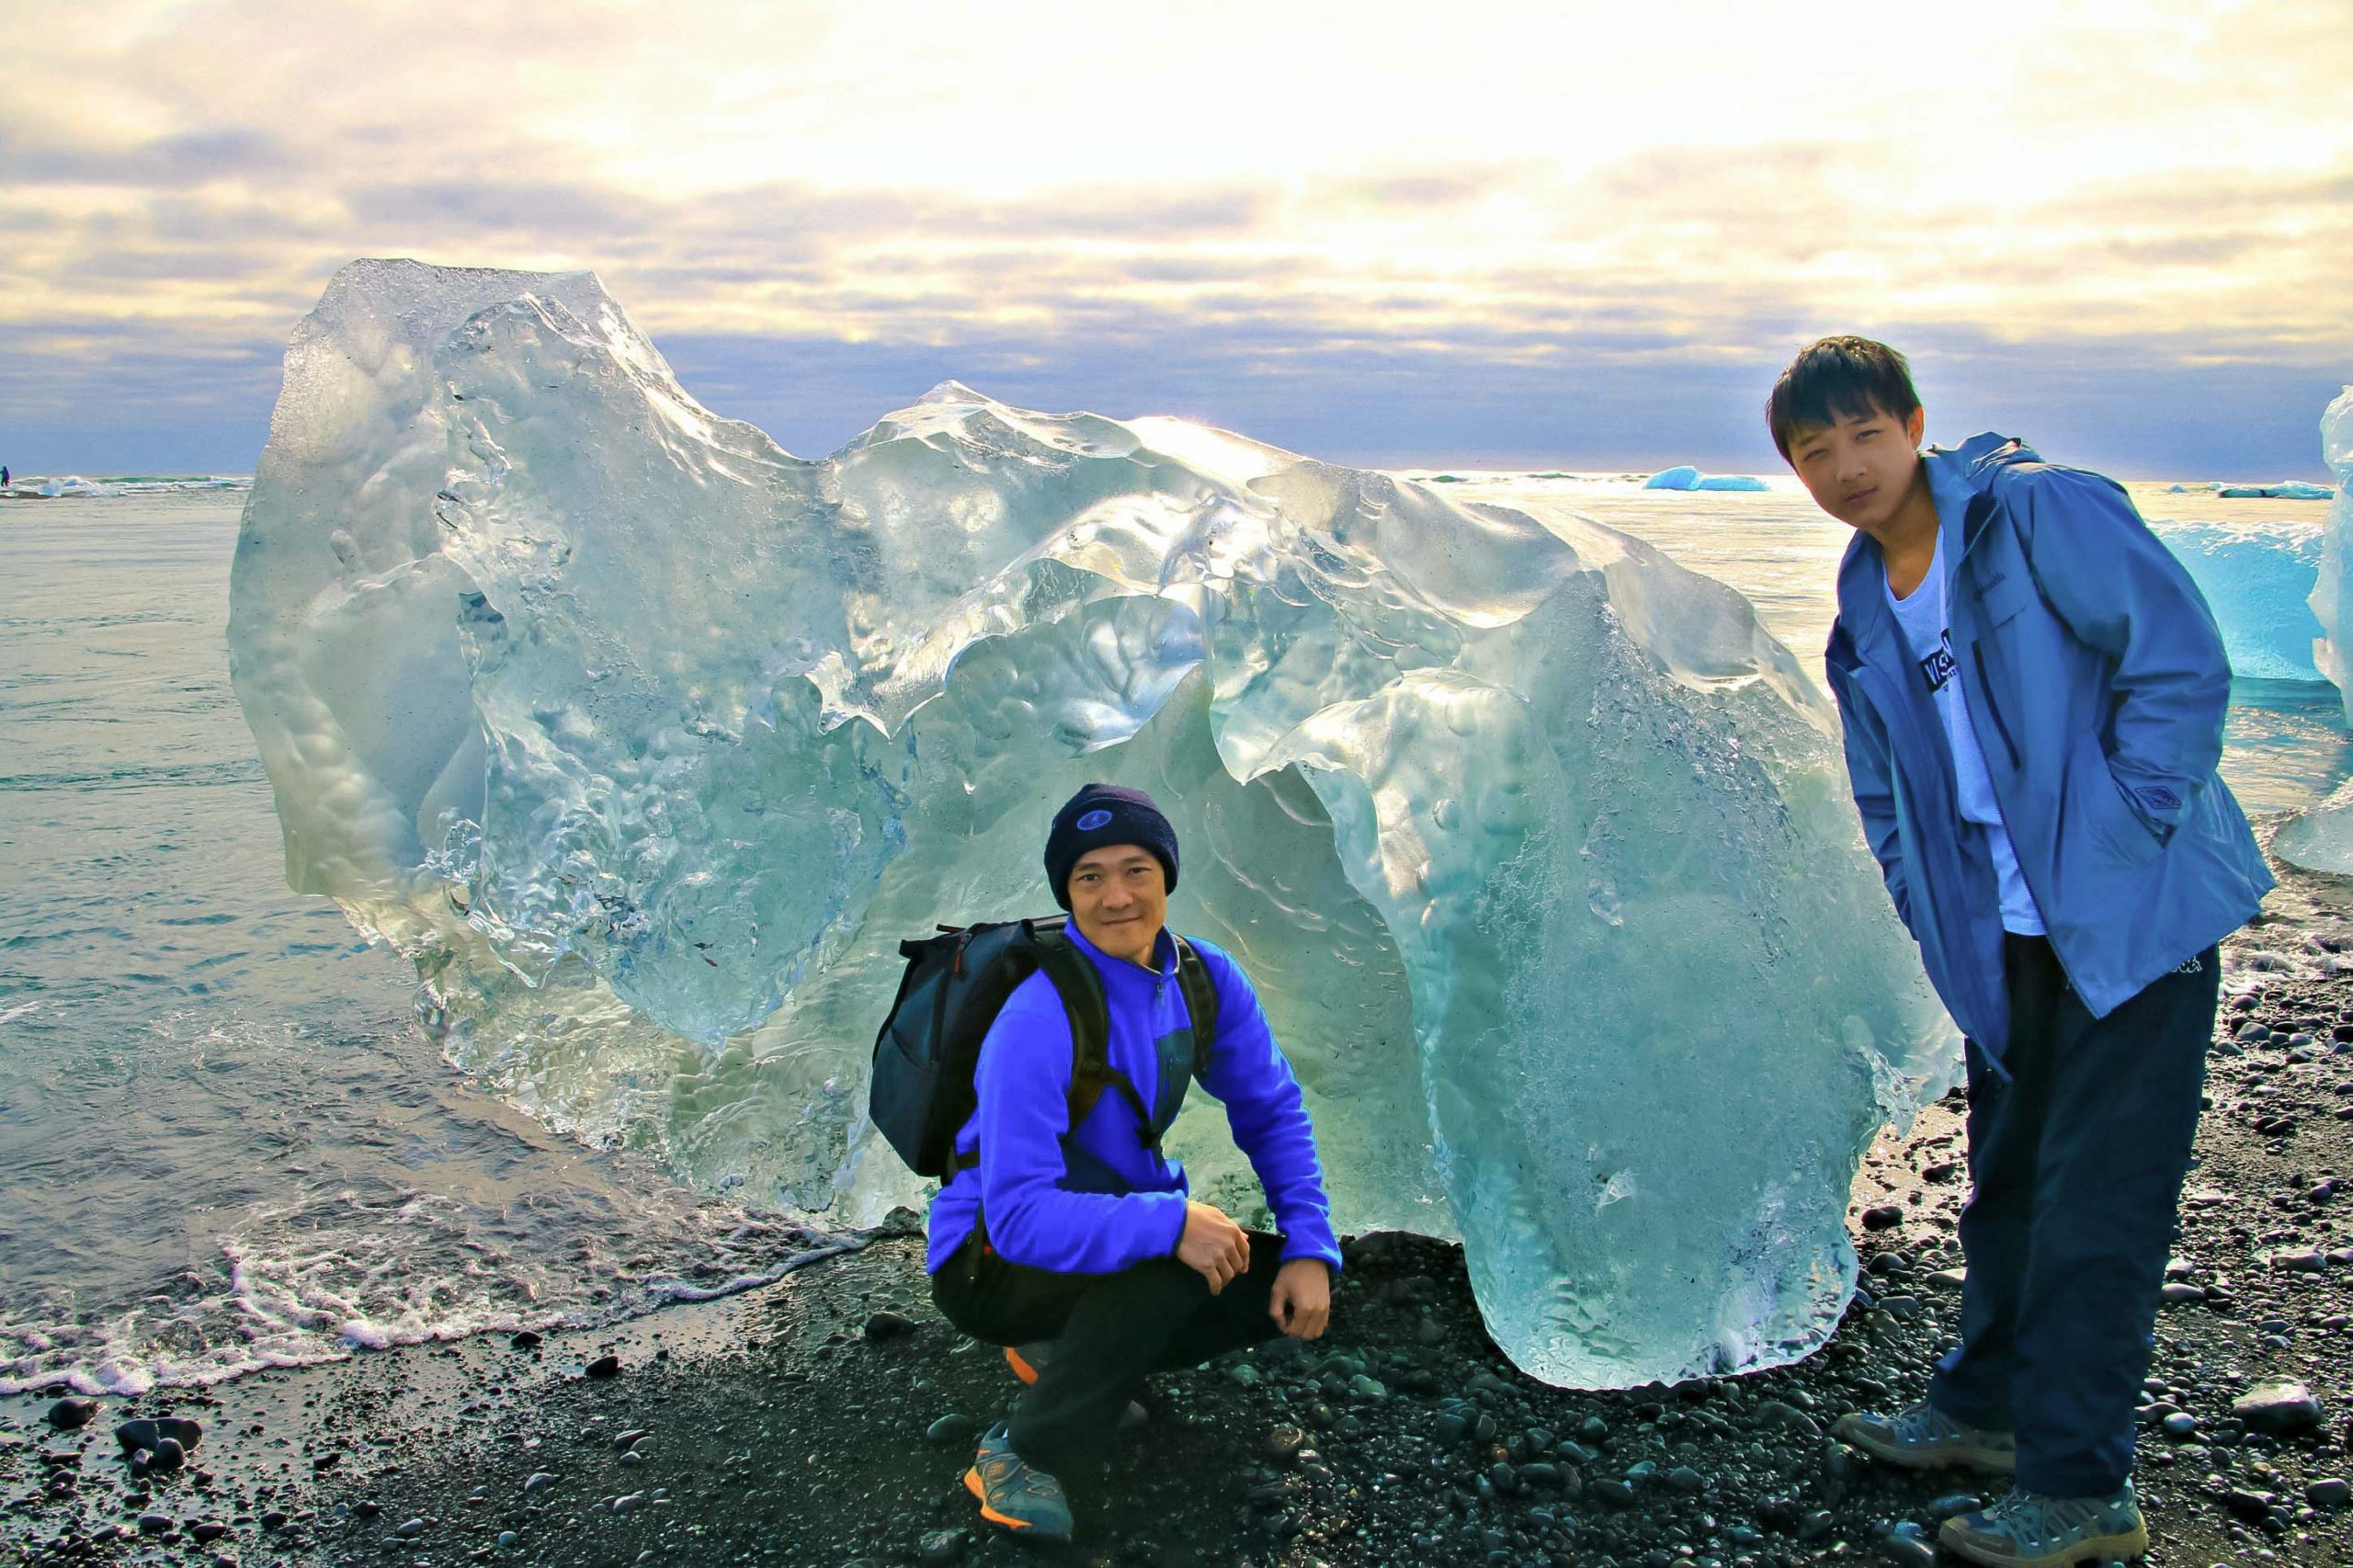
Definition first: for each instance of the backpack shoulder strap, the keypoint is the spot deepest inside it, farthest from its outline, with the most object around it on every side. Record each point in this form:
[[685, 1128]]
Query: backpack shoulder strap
[[1201, 1001], [1081, 989]]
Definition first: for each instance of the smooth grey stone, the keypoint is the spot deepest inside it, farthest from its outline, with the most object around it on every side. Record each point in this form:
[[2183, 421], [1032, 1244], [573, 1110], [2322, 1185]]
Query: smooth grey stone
[[70, 1414], [2180, 1424], [603, 1366], [887, 1325], [2329, 1492], [940, 1546], [2280, 1407], [409, 1529]]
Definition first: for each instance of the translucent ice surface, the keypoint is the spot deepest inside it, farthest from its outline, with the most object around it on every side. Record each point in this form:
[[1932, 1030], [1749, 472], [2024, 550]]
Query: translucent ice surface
[[2322, 838], [649, 741]]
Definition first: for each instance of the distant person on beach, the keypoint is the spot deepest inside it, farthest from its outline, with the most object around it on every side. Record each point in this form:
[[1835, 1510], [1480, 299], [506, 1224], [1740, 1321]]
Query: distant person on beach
[[2032, 691], [1076, 1247]]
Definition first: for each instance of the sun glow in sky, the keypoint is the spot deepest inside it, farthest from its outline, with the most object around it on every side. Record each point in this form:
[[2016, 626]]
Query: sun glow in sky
[[1554, 234]]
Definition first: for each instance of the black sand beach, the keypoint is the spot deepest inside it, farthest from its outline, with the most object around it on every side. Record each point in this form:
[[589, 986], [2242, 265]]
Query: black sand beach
[[826, 1420]]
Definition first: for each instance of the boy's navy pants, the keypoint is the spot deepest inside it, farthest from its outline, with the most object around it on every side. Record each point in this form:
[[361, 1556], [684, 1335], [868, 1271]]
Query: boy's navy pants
[[2076, 1161], [1111, 1331]]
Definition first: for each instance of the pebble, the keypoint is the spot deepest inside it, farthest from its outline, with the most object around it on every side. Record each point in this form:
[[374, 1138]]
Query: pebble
[[1903, 1545], [1284, 1443], [2329, 1492], [409, 1529], [1816, 1525], [507, 1539], [206, 1530], [952, 1429], [1952, 1504], [69, 1415], [887, 1325], [537, 1481], [154, 1524], [624, 1441], [940, 1546], [2180, 1424], [526, 1339], [1683, 1478], [2177, 1293], [2282, 1407], [631, 1457], [1616, 1494], [1243, 1374], [603, 1366], [166, 1455], [1882, 1217]]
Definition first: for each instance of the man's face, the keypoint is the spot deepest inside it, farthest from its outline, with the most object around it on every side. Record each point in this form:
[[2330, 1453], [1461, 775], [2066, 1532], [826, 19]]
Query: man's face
[[1862, 469], [1118, 896]]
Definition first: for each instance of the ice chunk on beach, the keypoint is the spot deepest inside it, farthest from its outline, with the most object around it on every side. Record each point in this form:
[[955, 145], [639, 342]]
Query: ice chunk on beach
[[2331, 598], [2257, 578], [649, 741], [2322, 838]]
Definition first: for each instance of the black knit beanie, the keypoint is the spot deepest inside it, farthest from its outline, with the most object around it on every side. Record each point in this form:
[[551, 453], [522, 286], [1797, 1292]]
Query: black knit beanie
[[1103, 814]]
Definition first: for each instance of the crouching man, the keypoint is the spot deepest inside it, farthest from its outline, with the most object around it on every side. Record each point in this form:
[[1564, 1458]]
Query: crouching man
[[1076, 1247], [2033, 694]]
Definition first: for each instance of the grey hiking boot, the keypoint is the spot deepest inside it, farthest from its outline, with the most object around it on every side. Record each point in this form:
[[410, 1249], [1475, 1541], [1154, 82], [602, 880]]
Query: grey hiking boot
[[2026, 1529], [1015, 1493], [1925, 1438]]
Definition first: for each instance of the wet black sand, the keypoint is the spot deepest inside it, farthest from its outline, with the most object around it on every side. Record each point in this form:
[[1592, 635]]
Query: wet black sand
[[792, 1426]]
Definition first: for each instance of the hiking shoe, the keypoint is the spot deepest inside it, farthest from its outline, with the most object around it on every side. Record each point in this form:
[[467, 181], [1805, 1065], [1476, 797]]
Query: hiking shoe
[[1018, 1496], [2026, 1529], [1028, 1360], [1925, 1438]]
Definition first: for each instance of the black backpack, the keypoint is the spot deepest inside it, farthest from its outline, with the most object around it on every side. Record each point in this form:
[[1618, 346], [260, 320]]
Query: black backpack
[[921, 1092]]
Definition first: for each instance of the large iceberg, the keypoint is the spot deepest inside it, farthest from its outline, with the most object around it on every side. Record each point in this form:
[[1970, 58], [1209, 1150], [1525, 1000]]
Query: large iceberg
[[649, 742]]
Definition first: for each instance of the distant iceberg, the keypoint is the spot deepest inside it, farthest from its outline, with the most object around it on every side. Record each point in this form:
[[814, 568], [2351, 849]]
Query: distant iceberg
[[2279, 489], [1688, 478]]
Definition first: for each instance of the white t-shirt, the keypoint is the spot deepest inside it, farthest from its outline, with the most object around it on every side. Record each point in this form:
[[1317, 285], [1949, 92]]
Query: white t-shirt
[[1928, 635]]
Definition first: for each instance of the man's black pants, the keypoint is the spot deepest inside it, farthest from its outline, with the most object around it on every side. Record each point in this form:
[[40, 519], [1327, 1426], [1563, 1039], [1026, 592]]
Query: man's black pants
[[2076, 1161], [1112, 1332]]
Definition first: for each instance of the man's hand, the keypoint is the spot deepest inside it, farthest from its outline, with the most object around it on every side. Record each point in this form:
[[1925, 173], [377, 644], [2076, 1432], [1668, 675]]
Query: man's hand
[[1212, 1245], [1302, 1301]]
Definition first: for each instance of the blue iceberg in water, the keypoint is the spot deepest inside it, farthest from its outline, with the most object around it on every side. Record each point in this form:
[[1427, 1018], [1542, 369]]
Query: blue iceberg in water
[[2258, 578], [1689, 478], [649, 741]]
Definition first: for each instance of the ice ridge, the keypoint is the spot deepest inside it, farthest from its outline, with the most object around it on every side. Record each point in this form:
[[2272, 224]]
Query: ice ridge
[[648, 741]]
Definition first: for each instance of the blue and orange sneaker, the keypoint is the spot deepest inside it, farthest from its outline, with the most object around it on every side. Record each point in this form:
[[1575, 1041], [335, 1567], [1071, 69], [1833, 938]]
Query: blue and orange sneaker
[[1028, 1360], [1015, 1493]]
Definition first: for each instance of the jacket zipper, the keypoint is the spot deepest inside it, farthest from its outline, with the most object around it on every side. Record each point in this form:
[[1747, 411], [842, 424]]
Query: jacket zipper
[[1994, 709]]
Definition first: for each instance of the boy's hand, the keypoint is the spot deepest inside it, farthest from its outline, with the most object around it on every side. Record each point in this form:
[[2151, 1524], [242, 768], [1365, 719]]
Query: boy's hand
[[1212, 1245], [1303, 1300]]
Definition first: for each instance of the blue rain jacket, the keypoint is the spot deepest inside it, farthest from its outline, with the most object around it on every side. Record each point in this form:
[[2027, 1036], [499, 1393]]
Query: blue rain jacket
[[1112, 1202], [2096, 681]]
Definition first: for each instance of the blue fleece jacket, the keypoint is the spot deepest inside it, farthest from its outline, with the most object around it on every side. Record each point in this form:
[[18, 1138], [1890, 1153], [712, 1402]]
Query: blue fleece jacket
[[2096, 684], [1037, 1214]]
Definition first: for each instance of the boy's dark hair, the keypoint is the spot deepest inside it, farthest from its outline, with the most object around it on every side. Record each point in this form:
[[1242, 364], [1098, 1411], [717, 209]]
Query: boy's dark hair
[[1839, 378]]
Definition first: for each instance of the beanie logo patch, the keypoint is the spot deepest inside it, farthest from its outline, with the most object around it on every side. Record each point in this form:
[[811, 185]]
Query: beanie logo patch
[[1093, 820]]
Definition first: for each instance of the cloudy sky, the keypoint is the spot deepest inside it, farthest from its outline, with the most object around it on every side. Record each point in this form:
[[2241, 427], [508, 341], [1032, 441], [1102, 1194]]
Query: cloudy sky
[[1554, 234]]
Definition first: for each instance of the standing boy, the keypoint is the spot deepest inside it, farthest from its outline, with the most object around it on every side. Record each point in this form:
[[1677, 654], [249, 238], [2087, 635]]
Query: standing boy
[[2033, 691]]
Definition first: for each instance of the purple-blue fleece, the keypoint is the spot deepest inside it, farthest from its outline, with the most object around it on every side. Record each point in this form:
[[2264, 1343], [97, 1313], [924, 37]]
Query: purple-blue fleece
[[1023, 1081]]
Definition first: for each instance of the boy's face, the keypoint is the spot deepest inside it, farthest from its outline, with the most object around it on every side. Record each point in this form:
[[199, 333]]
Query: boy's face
[[1862, 469]]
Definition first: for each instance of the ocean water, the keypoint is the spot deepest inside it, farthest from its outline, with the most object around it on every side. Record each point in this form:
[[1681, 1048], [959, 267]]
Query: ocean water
[[224, 1140]]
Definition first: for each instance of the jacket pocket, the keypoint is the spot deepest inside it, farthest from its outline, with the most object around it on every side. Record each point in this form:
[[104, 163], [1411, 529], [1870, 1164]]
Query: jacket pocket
[[2097, 806]]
